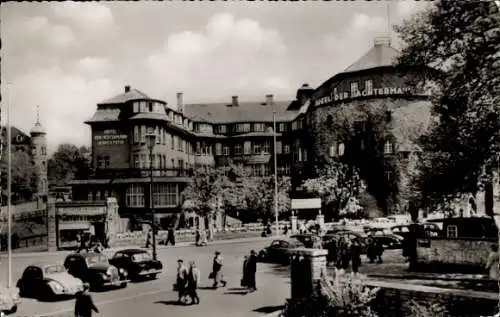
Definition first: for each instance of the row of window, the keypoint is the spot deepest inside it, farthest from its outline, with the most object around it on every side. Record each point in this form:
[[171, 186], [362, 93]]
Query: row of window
[[162, 137], [249, 127], [164, 195], [160, 161], [157, 107], [249, 148]]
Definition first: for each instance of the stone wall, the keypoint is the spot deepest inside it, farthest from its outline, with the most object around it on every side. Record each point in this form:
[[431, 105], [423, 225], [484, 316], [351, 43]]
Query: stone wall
[[456, 252]]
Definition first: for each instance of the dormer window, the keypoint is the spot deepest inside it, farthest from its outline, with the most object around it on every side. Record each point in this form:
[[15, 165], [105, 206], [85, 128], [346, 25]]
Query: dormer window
[[388, 147], [150, 106], [354, 88], [259, 127]]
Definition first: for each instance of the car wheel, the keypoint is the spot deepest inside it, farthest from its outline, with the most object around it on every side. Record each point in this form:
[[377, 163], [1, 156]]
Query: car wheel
[[123, 284], [153, 276], [45, 294], [13, 310]]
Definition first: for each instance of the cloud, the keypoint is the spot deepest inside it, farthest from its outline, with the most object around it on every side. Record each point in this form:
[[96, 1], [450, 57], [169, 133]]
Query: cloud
[[93, 66], [219, 60], [65, 101], [89, 15]]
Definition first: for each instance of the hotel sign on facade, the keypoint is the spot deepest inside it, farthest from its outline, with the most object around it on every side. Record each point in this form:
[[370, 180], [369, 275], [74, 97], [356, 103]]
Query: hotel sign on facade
[[347, 95], [110, 137]]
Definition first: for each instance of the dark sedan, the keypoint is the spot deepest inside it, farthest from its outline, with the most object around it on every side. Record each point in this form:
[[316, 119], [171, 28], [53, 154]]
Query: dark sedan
[[95, 269], [138, 263], [389, 241], [278, 251]]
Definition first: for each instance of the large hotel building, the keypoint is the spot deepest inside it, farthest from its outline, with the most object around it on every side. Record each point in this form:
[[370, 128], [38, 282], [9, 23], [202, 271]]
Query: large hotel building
[[192, 135]]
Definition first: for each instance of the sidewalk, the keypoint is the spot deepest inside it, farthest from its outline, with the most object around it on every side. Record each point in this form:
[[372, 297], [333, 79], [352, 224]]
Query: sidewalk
[[159, 247]]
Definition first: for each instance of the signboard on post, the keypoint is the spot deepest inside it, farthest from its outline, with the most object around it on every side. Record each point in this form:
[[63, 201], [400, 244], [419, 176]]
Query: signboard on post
[[309, 203]]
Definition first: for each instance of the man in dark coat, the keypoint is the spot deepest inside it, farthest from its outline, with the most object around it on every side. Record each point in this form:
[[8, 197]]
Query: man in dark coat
[[170, 236], [84, 305], [355, 255], [251, 271]]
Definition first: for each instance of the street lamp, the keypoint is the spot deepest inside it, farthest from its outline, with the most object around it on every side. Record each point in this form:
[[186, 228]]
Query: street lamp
[[151, 141], [275, 176]]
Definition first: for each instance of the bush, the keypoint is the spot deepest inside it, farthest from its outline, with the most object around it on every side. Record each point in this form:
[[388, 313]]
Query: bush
[[434, 309], [349, 298]]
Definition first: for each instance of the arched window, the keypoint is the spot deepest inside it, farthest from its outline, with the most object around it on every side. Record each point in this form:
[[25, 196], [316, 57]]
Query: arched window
[[329, 121]]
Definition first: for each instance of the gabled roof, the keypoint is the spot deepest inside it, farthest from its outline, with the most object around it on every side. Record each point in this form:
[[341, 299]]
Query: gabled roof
[[244, 112], [381, 55], [103, 115], [132, 94]]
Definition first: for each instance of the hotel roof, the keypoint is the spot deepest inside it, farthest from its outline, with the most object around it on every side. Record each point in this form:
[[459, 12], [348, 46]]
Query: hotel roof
[[131, 94], [380, 55], [244, 112]]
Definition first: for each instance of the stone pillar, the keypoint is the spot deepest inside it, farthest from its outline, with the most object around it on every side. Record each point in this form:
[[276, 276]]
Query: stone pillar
[[308, 266], [52, 226], [112, 220], [294, 224], [218, 220]]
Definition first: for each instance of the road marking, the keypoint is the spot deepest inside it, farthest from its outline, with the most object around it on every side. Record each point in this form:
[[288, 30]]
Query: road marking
[[105, 302]]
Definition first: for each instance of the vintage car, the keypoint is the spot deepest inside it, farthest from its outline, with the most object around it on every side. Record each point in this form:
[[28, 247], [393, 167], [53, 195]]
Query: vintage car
[[278, 251], [348, 235], [48, 282], [138, 263], [9, 300], [389, 241], [94, 268]]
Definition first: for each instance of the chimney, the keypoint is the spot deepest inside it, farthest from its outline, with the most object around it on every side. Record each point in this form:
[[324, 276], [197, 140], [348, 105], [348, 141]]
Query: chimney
[[127, 88], [235, 101], [269, 100], [180, 102]]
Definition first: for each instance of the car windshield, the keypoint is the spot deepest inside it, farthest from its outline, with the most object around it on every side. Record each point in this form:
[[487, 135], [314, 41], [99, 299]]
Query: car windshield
[[95, 258], [143, 256], [51, 269]]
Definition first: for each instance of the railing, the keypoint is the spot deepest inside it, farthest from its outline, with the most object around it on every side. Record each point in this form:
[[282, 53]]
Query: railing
[[141, 172]]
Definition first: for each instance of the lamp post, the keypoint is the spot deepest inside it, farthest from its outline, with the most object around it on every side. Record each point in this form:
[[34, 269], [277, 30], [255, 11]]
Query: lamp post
[[275, 176], [151, 141], [9, 188]]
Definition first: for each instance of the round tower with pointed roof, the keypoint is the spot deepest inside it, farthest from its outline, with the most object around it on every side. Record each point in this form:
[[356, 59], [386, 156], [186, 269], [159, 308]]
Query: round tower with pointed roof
[[39, 155]]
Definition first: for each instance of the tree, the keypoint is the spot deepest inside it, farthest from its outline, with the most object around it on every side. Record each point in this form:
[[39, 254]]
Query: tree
[[204, 192], [24, 177], [337, 184], [461, 40], [260, 194], [67, 163]]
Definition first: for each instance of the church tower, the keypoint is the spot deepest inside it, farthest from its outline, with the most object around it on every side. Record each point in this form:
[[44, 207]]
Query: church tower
[[39, 155]]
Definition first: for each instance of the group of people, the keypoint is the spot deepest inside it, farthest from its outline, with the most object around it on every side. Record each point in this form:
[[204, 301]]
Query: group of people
[[344, 252], [187, 282], [90, 243]]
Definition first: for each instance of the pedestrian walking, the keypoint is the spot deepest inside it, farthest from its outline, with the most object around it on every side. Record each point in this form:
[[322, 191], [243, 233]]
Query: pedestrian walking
[[355, 255], [217, 274], [170, 236], [332, 252], [149, 238], [244, 276], [379, 250], [197, 237], [492, 263], [181, 281], [371, 250], [193, 280], [84, 305], [345, 257], [252, 271]]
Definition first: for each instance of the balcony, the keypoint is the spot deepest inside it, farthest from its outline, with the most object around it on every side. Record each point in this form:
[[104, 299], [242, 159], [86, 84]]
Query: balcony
[[140, 173]]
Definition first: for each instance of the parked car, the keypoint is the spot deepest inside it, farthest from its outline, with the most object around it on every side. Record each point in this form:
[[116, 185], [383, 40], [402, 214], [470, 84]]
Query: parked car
[[347, 234], [9, 300], [278, 251], [48, 282], [390, 241], [138, 263], [95, 269]]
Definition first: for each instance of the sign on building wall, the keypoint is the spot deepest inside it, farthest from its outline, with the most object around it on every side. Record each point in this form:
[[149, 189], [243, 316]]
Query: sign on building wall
[[347, 95], [308, 203], [110, 137]]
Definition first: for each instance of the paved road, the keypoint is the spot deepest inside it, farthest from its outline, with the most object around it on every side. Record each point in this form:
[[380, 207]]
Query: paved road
[[156, 298]]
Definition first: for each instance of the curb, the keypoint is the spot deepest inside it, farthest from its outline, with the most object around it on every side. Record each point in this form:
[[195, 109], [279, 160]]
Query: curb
[[426, 277], [159, 247]]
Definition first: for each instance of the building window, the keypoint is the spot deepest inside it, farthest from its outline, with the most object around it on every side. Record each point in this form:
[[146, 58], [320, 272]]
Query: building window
[[226, 150], [179, 143], [143, 134], [267, 170], [136, 134], [248, 147], [451, 231], [256, 170], [243, 127], [287, 149], [137, 162], [267, 147], [222, 128], [257, 148], [180, 164], [238, 149], [135, 195], [90, 196], [165, 195], [259, 127], [218, 149], [136, 107], [157, 134], [283, 127], [279, 147], [150, 106], [103, 161], [44, 150], [172, 162], [354, 88], [369, 86], [388, 147], [286, 169]]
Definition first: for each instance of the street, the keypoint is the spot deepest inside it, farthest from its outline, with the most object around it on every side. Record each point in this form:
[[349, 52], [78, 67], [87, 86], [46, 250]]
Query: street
[[157, 298]]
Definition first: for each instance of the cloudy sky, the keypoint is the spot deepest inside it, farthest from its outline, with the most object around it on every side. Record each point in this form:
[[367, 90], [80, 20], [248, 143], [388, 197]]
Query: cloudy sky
[[66, 57]]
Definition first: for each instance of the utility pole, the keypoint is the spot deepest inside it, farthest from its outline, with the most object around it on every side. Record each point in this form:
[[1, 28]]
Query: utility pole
[[275, 176]]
